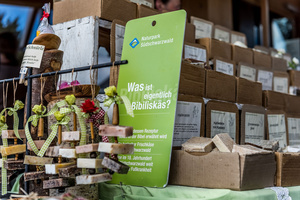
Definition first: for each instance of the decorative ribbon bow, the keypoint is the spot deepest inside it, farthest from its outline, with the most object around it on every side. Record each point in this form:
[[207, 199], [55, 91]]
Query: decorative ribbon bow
[[3, 126], [45, 15], [96, 117]]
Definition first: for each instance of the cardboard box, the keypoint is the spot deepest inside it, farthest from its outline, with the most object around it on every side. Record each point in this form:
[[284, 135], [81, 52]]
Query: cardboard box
[[273, 52], [116, 40], [224, 66], [204, 28], [294, 78], [192, 80], [273, 100], [238, 36], [265, 76], [148, 3], [190, 31], [222, 170], [246, 71], [262, 59], [293, 121], [67, 10], [222, 117], [189, 119], [281, 82], [241, 54], [216, 48], [252, 124], [222, 33], [220, 86], [276, 127], [279, 64], [145, 11], [262, 49], [248, 92], [288, 165], [195, 51], [292, 104]]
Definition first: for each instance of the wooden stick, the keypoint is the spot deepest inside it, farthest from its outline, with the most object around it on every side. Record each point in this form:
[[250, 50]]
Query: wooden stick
[[115, 120], [41, 128], [16, 142], [74, 122], [92, 131], [59, 139]]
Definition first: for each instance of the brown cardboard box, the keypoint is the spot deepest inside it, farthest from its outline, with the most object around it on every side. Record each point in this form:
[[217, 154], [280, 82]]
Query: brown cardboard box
[[248, 92], [252, 124], [145, 11], [281, 82], [216, 48], [246, 71], [292, 104], [279, 64], [192, 80], [195, 51], [294, 78], [293, 121], [265, 76], [273, 100], [276, 127], [288, 165], [224, 66], [262, 49], [222, 117], [220, 86], [238, 36], [241, 54], [204, 28], [190, 31], [222, 170], [67, 10], [222, 33], [148, 3], [262, 59], [273, 51]]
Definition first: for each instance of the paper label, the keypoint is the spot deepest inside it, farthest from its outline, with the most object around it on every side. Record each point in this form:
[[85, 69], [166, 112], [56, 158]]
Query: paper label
[[277, 129], [143, 2], [105, 24], [223, 122], [235, 38], [222, 35], [254, 127], [248, 73], [281, 84], [187, 122], [33, 56], [294, 130], [119, 38], [224, 67], [194, 53], [23, 70], [266, 78], [203, 30]]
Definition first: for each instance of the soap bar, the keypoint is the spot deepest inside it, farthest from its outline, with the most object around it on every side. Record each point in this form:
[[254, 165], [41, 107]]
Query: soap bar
[[53, 151], [12, 164], [115, 165], [116, 148], [91, 179], [30, 176], [57, 183], [53, 168], [10, 134], [71, 136], [87, 148], [248, 150], [67, 153], [1, 162], [38, 144], [116, 131], [11, 150], [36, 160], [70, 171], [223, 142], [198, 144], [89, 163]]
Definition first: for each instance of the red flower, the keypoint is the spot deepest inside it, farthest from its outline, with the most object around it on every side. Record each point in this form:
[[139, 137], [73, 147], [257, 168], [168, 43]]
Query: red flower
[[88, 106]]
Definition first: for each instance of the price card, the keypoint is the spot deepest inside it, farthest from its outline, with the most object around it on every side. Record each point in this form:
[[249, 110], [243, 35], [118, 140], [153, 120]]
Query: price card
[[33, 56]]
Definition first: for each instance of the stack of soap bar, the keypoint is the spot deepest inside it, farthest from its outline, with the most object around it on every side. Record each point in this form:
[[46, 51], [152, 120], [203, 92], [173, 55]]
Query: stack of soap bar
[[70, 171], [30, 176], [91, 179], [53, 151], [53, 168], [198, 144], [10, 134], [115, 148], [87, 148], [13, 164], [115, 165], [57, 183], [247, 150], [223, 142], [116, 131], [36, 160], [38, 144], [71, 136], [89, 163], [11, 150], [67, 153]]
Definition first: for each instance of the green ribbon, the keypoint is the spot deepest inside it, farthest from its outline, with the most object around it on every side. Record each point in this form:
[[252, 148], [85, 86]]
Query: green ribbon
[[4, 158], [121, 99]]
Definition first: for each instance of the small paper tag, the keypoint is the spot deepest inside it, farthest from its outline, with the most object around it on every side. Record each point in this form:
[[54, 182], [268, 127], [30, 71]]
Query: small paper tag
[[266, 78], [194, 53], [223, 122], [248, 73], [222, 35], [236, 37], [23, 70], [203, 30], [254, 127], [224, 67], [33, 56], [281, 84], [294, 130], [277, 129]]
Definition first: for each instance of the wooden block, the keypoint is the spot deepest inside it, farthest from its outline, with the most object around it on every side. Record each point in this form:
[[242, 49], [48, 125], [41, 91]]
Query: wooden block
[[115, 165], [223, 142], [38, 144], [247, 150], [70, 171], [68, 153], [13, 164], [71, 136], [269, 145], [15, 149], [116, 148], [198, 144], [58, 183], [30, 176], [53, 168], [91, 179], [116, 131], [10, 134], [89, 163], [53, 151], [36, 160], [87, 148]]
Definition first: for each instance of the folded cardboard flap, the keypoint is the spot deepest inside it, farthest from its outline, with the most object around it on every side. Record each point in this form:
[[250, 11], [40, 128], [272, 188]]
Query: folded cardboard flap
[[216, 48], [145, 11], [262, 59], [294, 78], [292, 104], [241, 54], [279, 64], [288, 167], [190, 31], [274, 100], [248, 92]]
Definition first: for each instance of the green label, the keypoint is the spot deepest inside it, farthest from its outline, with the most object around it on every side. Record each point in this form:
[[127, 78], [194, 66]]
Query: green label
[[153, 47]]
